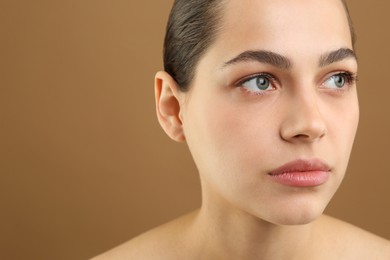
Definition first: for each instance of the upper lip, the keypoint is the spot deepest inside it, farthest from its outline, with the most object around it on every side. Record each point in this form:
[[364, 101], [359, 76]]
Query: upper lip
[[301, 165]]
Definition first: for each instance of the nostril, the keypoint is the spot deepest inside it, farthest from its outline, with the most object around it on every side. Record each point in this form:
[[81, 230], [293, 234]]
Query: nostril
[[308, 136], [301, 136]]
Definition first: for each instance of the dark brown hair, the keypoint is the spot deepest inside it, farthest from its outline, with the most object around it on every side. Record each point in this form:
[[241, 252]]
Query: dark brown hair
[[192, 28]]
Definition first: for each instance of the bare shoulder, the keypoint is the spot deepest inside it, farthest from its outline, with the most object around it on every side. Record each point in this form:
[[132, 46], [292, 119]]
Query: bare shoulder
[[355, 243], [163, 242]]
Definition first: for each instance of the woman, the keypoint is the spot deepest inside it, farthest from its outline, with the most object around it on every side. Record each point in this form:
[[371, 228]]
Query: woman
[[264, 93]]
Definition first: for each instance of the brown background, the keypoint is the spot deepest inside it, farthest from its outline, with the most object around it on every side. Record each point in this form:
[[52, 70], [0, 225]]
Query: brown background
[[84, 164]]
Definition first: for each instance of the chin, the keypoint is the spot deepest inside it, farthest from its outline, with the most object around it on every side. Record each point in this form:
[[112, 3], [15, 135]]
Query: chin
[[295, 213], [296, 220]]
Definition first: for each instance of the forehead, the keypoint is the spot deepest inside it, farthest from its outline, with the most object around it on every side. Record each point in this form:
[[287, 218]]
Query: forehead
[[289, 27]]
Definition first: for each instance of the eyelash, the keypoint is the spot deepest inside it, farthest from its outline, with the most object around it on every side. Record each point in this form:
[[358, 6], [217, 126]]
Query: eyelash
[[349, 77], [248, 78], [268, 76]]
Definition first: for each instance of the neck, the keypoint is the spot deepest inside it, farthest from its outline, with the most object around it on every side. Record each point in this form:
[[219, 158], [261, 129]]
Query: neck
[[224, 233]]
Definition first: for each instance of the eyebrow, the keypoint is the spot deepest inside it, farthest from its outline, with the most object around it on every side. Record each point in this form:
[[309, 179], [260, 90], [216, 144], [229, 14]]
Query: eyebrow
[[335, 56], [267, 57], [282, 62]]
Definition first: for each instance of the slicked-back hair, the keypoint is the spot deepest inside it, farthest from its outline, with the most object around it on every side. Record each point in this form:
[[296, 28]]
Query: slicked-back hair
[[191, 29]]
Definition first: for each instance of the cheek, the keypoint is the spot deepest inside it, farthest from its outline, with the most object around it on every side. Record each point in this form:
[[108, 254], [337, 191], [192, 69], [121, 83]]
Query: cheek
[[228, 144], [228, 139], [342, 126], [345, 119]]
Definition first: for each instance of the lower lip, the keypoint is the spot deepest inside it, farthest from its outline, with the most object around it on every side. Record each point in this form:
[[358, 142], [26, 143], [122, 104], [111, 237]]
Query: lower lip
[[302, 179]]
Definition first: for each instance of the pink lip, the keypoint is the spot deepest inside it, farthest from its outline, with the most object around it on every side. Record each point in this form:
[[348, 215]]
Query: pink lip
[[301, 173]]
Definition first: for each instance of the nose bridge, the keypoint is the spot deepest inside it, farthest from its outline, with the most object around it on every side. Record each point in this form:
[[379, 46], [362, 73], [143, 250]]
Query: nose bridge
[[304, 120]]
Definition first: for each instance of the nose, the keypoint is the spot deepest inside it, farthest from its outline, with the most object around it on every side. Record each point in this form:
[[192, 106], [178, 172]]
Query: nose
[[303, 121]]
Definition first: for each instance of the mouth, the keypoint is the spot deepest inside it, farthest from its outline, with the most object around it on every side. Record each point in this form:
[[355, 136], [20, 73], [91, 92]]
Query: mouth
[[302, 173]]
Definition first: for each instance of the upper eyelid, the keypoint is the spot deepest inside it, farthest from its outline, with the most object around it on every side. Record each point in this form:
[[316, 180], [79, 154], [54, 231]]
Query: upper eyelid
[[241, 81], [351, 78], [348, 74]]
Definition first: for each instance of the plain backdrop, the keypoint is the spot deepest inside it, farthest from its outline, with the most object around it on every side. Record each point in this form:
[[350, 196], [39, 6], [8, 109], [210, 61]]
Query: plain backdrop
[[84, 165]]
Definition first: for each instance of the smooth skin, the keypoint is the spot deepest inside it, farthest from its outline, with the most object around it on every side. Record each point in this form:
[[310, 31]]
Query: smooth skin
[[245, 115]]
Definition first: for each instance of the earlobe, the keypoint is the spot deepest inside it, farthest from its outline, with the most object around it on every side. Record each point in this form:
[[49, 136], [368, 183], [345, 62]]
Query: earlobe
[[168, 106]]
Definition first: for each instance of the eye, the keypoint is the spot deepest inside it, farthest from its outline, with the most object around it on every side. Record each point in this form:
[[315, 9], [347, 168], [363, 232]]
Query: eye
[[258, 84], [339, 80]]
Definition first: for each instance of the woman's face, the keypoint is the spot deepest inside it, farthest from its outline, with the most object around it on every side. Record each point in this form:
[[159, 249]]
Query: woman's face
[[271, 115]]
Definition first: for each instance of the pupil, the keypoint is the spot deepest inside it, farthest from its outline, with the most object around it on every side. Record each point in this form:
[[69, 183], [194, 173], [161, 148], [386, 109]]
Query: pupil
[[262, 83], [340, 81]]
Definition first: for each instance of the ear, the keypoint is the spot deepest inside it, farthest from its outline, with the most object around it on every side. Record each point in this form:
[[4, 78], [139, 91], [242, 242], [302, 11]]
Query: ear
[[168, 105]]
